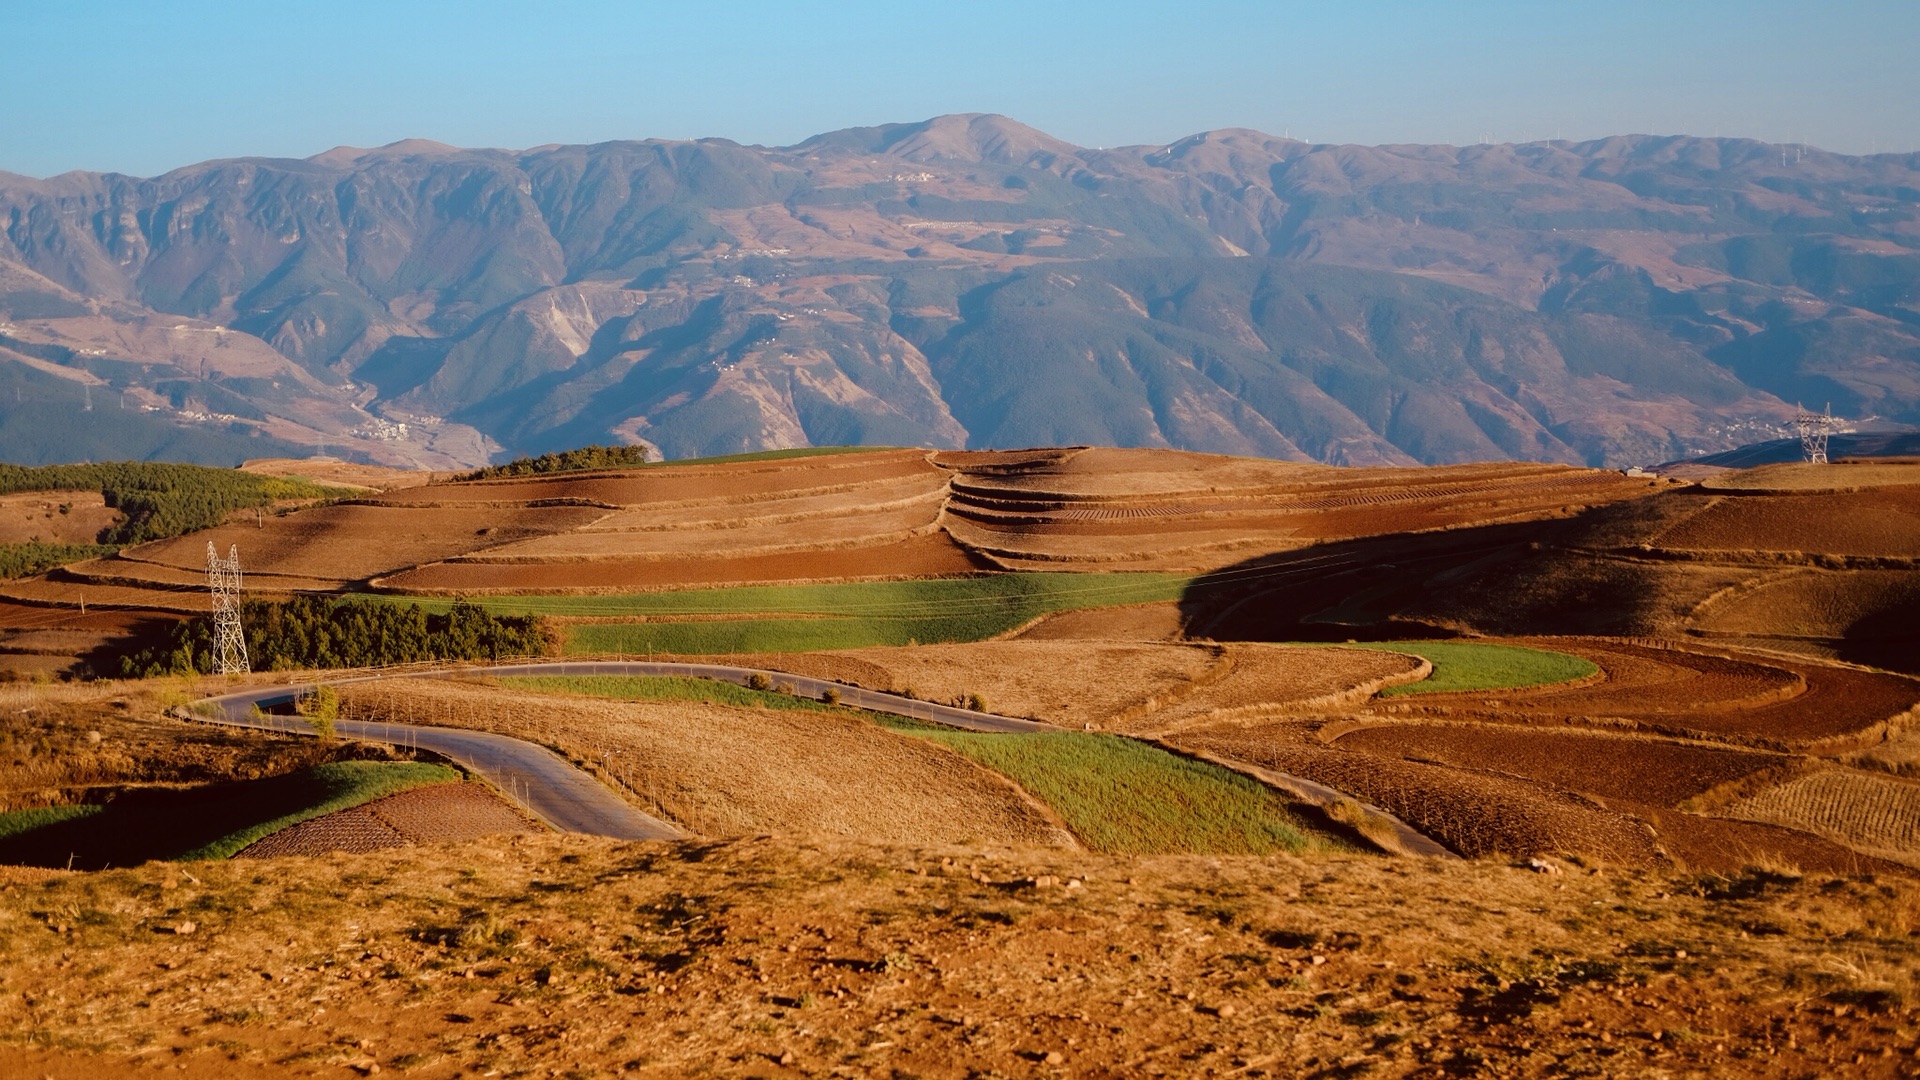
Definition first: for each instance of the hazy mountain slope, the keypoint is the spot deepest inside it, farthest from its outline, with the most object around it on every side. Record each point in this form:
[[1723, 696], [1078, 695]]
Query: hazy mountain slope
[[969, 280]]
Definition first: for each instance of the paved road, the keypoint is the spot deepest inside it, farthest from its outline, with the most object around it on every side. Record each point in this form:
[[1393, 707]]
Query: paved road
[[570, 800], [555, 791], [538, 779]]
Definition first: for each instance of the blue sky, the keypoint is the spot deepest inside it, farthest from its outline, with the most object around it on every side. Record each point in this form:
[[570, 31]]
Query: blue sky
[[141, 87]]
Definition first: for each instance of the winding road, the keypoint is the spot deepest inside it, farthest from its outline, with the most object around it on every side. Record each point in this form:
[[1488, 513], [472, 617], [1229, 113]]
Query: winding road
[[570, 800], [547, 785]]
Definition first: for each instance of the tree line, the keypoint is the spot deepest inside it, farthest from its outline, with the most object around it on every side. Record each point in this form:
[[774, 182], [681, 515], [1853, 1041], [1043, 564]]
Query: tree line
[[586, 457], [160, 499], [324, 632]]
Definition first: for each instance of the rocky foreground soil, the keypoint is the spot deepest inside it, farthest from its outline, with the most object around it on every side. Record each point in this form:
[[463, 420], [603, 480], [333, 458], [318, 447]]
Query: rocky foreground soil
[[780, 956]]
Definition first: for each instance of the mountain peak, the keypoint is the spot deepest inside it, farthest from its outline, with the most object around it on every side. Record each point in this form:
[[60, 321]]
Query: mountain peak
[[951, 137], [341, 157]]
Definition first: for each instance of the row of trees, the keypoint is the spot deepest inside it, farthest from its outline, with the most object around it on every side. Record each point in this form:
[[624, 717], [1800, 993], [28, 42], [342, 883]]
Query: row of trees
[[324, 632], [586, 457], [34, 556], [160, 499]]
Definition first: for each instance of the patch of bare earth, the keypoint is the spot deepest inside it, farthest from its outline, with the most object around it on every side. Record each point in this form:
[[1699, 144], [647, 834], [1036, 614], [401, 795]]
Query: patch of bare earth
[[54, 517], [575, 956], [435, 814], [720, 770]]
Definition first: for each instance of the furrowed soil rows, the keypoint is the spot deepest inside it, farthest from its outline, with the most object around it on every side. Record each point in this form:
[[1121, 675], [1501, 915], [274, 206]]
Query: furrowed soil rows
[[1475, 814], [1658, 772], [437, 814], [725, 770], [357, 541], [1777, 703], [1883, 523], [1869, 811], [671, 484], [1133, 622], [1813, 603], [933, 555], [849, 529]]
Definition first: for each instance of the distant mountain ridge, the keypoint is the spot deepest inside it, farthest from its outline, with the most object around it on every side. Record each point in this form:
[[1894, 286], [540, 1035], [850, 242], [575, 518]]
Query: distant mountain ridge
[[964, 281]]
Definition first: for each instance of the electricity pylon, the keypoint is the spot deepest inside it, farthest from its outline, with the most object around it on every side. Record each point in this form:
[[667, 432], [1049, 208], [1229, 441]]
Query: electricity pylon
[[1813, 429], [229, 640]]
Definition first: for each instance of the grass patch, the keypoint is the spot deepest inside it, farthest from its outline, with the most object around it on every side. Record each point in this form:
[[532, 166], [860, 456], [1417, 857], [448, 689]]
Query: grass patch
[[660, 688], [209, 822], [15, 822], [1126, 797], [1465, 665], [844, 616]]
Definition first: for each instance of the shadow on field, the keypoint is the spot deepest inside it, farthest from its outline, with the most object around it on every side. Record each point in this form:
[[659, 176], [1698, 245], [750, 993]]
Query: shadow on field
[[143, 824]]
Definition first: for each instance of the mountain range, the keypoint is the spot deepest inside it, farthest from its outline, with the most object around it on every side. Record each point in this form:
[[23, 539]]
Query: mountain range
[[965, 281]]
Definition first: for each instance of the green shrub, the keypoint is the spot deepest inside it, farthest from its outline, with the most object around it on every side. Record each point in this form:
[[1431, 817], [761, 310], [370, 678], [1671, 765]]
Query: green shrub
[[321, 707], [586, 457]]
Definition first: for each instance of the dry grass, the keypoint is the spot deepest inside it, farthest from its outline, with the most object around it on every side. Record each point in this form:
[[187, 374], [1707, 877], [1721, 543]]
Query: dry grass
[[1259, 680], [58, 742], [571, 956], [720, 770], [1072, 684], [1868, 811]]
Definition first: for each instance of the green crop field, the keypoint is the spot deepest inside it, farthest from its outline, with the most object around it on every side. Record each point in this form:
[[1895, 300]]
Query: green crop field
[[1468, 665], [211, 822], [842, 616], [1123, 796]]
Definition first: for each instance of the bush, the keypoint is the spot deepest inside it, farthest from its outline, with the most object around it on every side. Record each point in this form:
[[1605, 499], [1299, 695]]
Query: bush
[[321, 707], [759, 681], [976, 703], [587, 457], [831, 695]]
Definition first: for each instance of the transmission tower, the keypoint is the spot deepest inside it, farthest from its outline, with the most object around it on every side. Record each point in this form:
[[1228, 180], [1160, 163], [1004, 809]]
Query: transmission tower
[[229, 641], [1813, 429]]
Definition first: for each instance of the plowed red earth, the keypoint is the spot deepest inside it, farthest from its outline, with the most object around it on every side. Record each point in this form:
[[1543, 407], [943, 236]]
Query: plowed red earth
[[438, 813], [1884, 523], [1682, 691], [921, 556], [741, 480], [1479, 813], [354, 542], [1655, 771], [1475, 814]]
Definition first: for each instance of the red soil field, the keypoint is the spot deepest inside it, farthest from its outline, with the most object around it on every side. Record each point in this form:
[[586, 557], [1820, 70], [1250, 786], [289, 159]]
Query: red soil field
[[934, 555], [667, 484], [1475, 814], [357, 541], [1883, 523], [435, 814], [1659, 772], [1749, 701], [1813, 603]]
